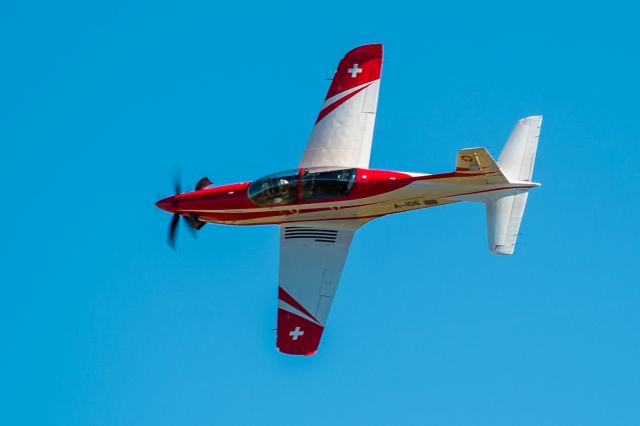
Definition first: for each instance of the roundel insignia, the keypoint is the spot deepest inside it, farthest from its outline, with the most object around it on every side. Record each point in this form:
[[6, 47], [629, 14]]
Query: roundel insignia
[[466, 158]]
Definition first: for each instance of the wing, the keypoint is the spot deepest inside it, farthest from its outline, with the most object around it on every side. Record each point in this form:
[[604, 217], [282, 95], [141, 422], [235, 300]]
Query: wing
[[311, 261], [343, 131]]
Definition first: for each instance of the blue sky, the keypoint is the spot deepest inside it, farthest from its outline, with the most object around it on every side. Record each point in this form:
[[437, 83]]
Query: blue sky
[[102, 324]]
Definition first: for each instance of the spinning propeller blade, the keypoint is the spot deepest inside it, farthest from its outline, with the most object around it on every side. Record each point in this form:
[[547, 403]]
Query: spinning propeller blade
[[175, 220], [170, 203], [173, 227]]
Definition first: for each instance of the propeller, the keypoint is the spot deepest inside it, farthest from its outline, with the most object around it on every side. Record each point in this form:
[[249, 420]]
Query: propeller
[[173, 226], [191, 220]]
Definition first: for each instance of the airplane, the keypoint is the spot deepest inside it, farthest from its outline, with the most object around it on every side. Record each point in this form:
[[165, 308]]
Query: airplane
[[322, 203]]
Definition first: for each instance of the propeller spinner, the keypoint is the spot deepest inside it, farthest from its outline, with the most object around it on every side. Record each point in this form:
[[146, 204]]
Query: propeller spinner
[[170, 204]]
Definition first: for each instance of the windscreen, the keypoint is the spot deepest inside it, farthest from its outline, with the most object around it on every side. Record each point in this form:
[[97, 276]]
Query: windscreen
[[275, 189], [326, 184]]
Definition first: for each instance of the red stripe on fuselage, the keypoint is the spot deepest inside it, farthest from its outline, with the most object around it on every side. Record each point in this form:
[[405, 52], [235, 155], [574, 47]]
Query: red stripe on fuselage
[[488, 190]]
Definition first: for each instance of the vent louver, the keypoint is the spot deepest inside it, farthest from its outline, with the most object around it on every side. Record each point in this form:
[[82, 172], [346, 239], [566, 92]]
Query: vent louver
[[317, 234]]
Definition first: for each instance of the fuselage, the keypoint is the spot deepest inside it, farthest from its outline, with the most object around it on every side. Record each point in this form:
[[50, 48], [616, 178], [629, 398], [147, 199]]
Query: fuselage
[[328, 194]]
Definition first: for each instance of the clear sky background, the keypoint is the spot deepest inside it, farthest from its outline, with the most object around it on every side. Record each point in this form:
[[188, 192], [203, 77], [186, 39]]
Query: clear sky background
[[102, 324]]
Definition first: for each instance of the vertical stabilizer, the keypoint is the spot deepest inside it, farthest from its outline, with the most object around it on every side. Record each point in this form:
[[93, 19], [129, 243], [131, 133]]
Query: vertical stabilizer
[[519, 153]]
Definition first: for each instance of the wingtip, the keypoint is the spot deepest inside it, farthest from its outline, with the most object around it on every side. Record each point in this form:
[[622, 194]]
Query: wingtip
[[502, 250], [374, 49], [532, 120], [297, 353]]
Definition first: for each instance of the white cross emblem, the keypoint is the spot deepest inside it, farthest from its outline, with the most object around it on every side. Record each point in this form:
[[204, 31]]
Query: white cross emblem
[[354, 70], [296, 333]]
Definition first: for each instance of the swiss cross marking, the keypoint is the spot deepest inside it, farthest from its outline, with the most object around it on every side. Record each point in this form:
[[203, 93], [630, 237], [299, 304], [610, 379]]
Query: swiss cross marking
[[354, 70], [296, 333]]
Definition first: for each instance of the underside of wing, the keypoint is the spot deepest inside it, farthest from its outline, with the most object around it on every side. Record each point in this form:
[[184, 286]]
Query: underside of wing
[[343, 131], [311, 261]]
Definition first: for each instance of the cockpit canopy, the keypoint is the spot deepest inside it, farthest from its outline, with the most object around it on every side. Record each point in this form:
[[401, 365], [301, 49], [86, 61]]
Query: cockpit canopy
[[302, 185]]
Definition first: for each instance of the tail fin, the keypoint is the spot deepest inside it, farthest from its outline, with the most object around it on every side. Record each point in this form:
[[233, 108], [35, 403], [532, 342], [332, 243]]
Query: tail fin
[[505, 211], [473, 160]]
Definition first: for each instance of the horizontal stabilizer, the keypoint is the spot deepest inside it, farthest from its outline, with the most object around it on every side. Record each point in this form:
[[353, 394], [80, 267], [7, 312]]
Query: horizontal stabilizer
[[504, 215], [507, 180], [505, 211], [519, 153]]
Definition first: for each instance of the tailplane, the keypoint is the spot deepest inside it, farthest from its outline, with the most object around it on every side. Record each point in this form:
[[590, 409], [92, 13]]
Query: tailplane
[[510, 179], [504, 215], [519, 153], [506, 209]]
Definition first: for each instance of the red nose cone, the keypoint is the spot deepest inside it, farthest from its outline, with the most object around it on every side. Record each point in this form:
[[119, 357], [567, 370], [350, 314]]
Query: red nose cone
[[168, 204]]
